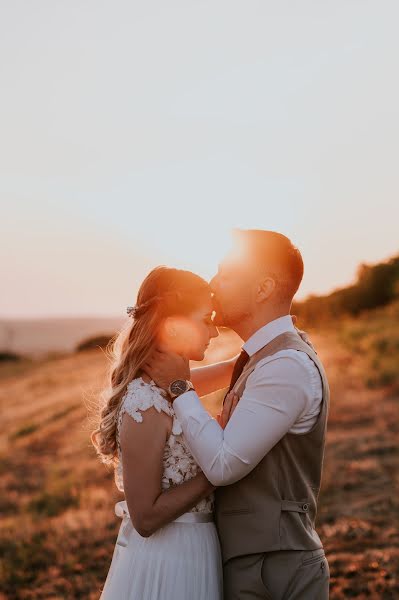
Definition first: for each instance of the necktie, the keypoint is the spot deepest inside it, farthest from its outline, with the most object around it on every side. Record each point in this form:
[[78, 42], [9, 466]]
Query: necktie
[[238, 368]]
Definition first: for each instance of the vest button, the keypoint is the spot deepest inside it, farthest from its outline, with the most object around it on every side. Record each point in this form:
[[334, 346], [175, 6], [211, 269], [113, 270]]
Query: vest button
[[305, 506]]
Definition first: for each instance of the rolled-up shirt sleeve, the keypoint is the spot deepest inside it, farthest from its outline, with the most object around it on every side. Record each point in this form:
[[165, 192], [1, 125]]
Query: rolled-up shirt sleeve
[[275, 396]]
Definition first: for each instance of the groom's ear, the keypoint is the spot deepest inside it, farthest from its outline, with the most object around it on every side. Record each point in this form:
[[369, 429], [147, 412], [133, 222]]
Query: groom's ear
[[266, 288]]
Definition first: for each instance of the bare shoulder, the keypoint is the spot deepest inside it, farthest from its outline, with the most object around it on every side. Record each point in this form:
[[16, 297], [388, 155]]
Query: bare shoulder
[[153, 424]]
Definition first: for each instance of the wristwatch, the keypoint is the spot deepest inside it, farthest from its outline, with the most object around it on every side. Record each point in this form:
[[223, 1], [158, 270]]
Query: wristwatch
[[178, 387]]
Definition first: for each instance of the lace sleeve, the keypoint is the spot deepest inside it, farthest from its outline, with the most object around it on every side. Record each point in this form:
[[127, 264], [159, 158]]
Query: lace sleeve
[[141, 396]]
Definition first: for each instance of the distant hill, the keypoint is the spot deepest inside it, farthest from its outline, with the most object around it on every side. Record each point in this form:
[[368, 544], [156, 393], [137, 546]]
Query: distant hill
[[376, 286], [39, 337], [36, 337]]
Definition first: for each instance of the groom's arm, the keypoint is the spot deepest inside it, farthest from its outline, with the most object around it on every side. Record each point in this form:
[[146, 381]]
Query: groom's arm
[[205, 379], [276, 394], [213, 377]]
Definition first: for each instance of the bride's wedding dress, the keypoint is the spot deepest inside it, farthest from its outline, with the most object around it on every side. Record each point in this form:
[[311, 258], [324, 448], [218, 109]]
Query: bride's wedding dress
[[181, 561]]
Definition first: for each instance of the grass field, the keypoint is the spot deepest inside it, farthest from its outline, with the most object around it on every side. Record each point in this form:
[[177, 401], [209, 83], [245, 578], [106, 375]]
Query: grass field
[[374, 338], [56, 500]]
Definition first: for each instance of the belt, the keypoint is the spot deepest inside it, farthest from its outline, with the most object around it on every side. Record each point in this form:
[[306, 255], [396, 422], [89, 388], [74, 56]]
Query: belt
[[122, 511]]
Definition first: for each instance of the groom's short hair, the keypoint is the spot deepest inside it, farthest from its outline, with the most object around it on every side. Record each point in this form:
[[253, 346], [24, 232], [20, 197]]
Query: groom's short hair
[[275, 253]]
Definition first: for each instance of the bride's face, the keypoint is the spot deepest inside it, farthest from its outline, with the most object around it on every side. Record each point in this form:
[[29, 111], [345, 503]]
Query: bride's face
[[190, 335]]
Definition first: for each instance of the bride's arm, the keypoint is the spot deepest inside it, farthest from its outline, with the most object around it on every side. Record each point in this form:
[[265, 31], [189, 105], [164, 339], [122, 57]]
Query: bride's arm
[[212, 377], [143, 446]]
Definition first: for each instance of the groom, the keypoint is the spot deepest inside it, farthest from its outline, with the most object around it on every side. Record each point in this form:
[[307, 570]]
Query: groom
[[267, 462]]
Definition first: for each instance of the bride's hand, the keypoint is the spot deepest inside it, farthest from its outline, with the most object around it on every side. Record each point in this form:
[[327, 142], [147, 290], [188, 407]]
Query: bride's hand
[[229, 405]]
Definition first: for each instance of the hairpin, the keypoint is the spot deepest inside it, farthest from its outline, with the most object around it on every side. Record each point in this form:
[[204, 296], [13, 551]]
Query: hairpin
[[131, 311]]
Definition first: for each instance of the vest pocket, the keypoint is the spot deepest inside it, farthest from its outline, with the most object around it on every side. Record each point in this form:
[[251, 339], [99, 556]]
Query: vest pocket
[[236, 511]]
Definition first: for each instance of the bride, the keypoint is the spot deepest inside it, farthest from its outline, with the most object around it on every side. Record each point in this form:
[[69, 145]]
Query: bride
[[167, 547]]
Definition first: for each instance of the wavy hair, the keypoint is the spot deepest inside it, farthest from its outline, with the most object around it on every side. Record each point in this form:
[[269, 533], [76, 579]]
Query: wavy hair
[[164, 292]]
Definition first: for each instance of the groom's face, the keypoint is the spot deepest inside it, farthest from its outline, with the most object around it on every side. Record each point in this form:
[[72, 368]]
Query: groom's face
[[233, 287]]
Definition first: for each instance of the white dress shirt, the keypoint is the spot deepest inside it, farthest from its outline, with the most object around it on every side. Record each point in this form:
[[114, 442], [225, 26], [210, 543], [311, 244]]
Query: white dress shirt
[[283, 394]]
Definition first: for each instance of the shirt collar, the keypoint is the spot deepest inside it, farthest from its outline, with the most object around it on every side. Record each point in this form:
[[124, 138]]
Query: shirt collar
[[267, 333]]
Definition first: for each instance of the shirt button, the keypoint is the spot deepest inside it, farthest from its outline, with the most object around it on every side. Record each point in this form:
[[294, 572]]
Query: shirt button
[[305, 506]]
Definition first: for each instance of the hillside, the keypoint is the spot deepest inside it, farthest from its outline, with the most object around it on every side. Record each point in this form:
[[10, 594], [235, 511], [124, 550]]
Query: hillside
[[58, 526], [376, 286], [38, 337]]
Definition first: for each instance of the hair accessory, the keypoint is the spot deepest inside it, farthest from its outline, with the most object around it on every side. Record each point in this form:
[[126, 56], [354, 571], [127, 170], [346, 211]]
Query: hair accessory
[[131, 311], [135, 311]]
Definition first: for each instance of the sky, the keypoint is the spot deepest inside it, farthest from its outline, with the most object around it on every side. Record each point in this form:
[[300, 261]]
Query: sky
[[134, 134]]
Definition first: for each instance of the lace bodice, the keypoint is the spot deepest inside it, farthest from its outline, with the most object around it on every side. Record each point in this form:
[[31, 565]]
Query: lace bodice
[[178, 462]]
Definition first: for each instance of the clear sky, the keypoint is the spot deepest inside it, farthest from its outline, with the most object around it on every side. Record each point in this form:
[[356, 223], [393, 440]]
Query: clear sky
[[140, 133]]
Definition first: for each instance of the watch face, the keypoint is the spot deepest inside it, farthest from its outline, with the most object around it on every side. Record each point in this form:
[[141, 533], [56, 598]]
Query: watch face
[[178, 387]]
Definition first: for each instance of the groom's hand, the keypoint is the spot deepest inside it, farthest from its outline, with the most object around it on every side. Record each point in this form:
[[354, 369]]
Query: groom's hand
[[163, 368]]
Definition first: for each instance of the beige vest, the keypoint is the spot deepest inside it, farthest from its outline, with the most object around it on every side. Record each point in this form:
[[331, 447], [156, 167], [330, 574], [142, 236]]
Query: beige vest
[[274, 507]]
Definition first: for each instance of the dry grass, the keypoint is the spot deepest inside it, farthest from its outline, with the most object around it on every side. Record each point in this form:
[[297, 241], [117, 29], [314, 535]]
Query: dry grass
[[56, 500], [374, 338], [359, 504]]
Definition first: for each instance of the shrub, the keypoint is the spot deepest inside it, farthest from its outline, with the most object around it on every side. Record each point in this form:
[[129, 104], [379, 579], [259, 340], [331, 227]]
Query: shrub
[[51, 504], [9, 356], [98, 341]]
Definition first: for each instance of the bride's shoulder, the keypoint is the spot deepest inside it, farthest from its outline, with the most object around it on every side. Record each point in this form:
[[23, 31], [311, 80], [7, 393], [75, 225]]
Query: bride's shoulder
[[140, 396]]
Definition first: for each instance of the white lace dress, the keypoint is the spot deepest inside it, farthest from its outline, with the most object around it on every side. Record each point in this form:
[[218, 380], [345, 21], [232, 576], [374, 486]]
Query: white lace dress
[[181, 560]]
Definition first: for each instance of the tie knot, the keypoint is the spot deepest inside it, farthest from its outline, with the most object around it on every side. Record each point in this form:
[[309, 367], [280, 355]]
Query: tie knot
[[242, 357]]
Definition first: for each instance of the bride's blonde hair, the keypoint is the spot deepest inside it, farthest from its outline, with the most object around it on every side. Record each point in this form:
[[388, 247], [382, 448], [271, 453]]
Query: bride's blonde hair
[[164, 292]]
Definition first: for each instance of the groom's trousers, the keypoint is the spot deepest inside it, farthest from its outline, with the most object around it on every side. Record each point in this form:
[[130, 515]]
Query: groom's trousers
[[280, 575]]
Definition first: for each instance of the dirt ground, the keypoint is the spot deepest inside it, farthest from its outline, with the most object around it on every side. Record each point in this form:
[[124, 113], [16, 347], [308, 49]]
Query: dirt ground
[[358, 516], [56, 500]]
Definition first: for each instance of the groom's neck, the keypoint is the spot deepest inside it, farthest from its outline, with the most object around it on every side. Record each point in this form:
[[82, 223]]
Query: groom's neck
[[246, 328]]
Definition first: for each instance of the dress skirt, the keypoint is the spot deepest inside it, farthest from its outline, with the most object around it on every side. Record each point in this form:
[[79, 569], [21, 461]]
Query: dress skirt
[[180, 561]]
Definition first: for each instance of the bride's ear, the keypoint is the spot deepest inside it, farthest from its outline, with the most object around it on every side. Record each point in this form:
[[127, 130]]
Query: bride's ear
[[170, 327]]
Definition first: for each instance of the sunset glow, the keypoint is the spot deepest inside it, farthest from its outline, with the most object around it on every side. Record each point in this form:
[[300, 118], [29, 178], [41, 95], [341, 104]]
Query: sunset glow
[[233, 419], [118, 157]]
